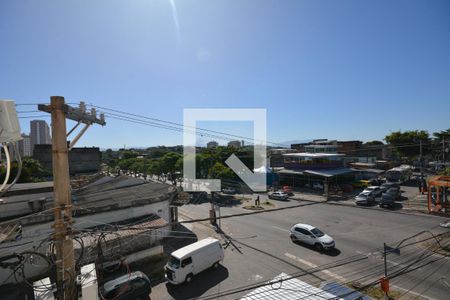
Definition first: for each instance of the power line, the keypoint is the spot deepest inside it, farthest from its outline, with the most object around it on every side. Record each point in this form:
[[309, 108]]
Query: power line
[[180, 125], [37, 116]]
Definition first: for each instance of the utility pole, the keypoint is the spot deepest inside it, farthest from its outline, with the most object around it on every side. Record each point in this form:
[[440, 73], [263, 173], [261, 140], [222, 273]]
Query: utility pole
[[421, 162], [443, 151], [65, 262], [385, 280]]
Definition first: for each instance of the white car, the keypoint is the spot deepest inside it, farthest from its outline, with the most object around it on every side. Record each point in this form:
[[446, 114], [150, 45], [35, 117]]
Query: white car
[[278, 196], [312, 236], [373, 190]]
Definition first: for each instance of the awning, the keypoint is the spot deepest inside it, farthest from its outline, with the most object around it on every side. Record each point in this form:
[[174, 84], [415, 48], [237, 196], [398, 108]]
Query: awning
[[329, 172]]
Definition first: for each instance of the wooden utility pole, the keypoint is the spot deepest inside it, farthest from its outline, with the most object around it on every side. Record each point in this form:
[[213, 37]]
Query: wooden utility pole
[[65, 261]]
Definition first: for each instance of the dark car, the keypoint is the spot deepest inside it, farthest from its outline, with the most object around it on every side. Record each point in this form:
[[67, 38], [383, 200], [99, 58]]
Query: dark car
[[394, 192], [385, 186], [127, 287], [365, 198], [388, 199]]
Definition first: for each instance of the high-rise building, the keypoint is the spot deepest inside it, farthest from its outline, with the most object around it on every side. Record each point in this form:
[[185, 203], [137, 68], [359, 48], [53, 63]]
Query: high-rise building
[[25, 145], [234, 144], [40, 133], [212, 144]]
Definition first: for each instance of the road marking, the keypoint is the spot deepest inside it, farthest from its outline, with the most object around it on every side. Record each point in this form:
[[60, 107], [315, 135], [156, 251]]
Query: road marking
[[378, 257], [420, 296], [279, 228], [311, 265]]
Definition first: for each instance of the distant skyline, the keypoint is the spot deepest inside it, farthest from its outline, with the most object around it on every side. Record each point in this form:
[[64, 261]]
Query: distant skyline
[[347, 70]]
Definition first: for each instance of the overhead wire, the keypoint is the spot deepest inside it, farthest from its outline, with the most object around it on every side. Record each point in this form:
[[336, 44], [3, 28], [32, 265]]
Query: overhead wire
[[179, 124]]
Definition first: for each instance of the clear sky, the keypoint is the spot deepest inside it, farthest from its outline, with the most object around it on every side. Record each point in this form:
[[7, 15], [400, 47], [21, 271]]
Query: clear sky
[[322, 69]]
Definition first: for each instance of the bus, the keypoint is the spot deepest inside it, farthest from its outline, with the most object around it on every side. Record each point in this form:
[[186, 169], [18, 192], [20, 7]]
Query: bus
[[399, 174]]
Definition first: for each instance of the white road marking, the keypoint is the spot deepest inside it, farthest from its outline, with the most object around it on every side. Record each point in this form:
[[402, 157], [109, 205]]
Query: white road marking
[[420, 296], [378, 257], [311, 265], [282, 229]]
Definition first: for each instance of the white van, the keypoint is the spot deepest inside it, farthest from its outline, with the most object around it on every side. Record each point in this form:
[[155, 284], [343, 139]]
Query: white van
[[190, 260]]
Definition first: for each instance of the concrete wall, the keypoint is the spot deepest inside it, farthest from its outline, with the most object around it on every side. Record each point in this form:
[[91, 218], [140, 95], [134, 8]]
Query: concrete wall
[[81, 160]]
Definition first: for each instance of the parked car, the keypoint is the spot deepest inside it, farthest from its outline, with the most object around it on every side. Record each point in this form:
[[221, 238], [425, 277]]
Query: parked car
[[278, 196], [376, 181], [192, 259], [365, 198], [229, 191], [387, 201], [373, 190], [394, 192], [385, 186], [127, 287], [312, 236]]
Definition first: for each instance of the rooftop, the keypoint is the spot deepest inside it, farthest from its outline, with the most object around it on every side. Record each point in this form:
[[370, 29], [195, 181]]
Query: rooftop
[[293, 288]]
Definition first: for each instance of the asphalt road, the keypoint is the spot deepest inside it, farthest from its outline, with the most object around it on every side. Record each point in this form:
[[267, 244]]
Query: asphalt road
[[264, 250]]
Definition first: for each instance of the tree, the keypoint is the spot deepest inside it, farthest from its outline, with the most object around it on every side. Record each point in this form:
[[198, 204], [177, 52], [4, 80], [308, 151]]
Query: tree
[[408, 143], [170, 164], [125, 164], [129, 154], [374, 143], [32, 171], [220, 171], [154, 168], [442, 135]]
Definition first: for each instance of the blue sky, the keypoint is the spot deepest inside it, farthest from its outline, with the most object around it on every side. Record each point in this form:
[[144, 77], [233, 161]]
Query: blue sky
[[322, 69]]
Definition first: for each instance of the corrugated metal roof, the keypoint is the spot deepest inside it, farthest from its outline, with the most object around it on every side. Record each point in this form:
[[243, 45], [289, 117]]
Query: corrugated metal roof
[[289, 289], [338, 289]]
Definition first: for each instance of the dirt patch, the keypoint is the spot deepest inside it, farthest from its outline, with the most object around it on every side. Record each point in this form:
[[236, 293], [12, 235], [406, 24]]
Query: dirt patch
[[376, 292], [253, 207]]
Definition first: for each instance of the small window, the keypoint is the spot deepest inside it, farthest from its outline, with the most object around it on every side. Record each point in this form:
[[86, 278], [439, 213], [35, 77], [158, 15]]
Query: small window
[[186, 262], [303, 231]]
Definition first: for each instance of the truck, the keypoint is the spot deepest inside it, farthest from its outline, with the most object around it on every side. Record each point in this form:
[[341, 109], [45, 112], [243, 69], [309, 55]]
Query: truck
[[192, 259]]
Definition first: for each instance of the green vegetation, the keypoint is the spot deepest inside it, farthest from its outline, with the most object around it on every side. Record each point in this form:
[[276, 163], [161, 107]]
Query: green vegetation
[[407, 144], [32, 171], [167, 163]]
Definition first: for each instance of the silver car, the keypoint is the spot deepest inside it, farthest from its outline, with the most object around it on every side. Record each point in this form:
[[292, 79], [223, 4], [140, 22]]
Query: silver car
[[374, 190], [278, 196]]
